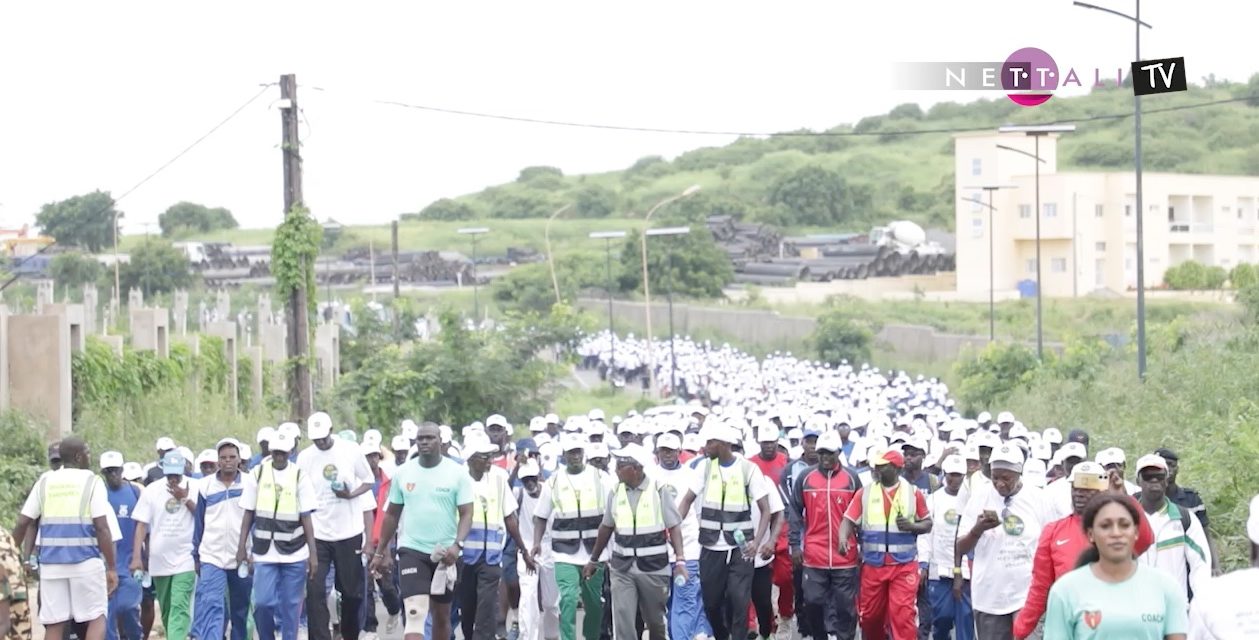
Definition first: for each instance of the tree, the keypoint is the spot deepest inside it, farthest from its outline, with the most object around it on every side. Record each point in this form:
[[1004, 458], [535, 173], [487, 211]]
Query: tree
[[995, 372], [908, 110], [190, 217], [594, 201], [529, 287], [85, 221], [443, 209], [817, 196], [691, 264], [1188, 275], [74, 269], [837, 337], [156, 266], [541, 177], [1243, 275]]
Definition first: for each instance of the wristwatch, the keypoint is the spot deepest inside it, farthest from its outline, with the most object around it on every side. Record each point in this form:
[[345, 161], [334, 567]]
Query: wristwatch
[[459, 544]]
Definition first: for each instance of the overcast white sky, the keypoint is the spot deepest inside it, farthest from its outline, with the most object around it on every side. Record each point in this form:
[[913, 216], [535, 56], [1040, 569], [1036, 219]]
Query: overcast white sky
[[99, 94]]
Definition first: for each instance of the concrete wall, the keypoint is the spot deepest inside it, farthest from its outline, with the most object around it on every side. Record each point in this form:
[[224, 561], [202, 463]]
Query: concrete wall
[[769, 329], [150, 330], [38, 370], [227, 331]]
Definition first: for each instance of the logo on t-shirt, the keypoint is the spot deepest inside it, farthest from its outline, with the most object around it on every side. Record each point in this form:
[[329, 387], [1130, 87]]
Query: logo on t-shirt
[[1092, 619], [1013, 525], [172, 505], [123, 512], [330, 472], [951, 516], [410, 487]]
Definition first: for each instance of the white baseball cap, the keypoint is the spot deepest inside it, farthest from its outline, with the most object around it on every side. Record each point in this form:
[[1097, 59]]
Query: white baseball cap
[[536, 425], [1034, 472], [111, 460], [1149, 461], [1089, 475], [570, 441], [972, 452], [1073, 450], [265, 434], [668, 441], [597, 428], [528, 469], [409, 429], [206, 455], [1042, 450], [318, 425], [954, 464], [400, 443], [478, 444], [767, 433], [283, 442], [719, 431], [595, 414], [1052, 435], [132, 471], [1113, 455], [830, 441], [289, 429], [633, 451], [497, 420], [552, 418], [373, 437], [692, 442], [368, 448], [627, 426], [1004, 417], [1007, 457], [164, 444], [597, 450]]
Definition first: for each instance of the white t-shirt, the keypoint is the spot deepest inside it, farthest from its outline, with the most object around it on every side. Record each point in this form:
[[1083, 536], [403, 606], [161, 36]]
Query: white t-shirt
[[546, 507], [938, 546], [170, 525], [1058, 493], [98, 507], [681, 480], [1002, 570], [223, 519], [1226, 608], [336, 518], [775, 507], [758, 487], [306, 502]]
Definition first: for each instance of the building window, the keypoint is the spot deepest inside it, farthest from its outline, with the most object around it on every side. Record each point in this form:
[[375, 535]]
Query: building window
[[975, 202], [976, 166], [1058, 265], [1025, 211], [1127, 211], [977, 227], [1101, 247], [1031, 265], [1050, 209], [1239, 213], [1171, 213], [1098, 211]]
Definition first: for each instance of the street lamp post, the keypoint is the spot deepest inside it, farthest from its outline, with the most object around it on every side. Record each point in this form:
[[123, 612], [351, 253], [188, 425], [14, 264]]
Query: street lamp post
[[671, 231], [651, 347], [1036, 131], [476, 300], [550, 255], [992, 298], [1136, 119], [608, 237]]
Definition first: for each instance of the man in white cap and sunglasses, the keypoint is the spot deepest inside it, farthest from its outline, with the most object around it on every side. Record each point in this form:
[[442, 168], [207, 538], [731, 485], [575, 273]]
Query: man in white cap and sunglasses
[[1226, 608]]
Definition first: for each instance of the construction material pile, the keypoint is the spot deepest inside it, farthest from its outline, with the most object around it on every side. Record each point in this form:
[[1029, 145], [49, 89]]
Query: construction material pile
[[898, 249], [744, 242]]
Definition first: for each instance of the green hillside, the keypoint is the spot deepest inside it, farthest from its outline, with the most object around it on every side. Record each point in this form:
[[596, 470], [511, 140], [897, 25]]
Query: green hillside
[[848, 182]]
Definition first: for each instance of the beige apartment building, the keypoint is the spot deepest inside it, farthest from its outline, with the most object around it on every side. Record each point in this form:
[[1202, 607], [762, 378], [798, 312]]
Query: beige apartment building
[[1088, 220]]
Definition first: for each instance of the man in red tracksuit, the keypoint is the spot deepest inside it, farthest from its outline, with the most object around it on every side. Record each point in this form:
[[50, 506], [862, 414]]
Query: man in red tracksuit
[[771, 461], [819, 499], [891, 515], [1062, 541]]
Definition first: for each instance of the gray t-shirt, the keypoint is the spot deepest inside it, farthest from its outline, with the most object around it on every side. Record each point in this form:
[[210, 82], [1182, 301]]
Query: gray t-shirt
[[668, 504]]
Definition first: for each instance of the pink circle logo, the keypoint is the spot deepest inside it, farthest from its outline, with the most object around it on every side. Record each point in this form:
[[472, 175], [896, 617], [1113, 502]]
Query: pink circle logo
[[1029, 76]]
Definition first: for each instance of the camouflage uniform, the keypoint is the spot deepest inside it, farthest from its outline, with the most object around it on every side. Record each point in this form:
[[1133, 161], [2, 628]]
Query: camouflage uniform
[[13, 588]]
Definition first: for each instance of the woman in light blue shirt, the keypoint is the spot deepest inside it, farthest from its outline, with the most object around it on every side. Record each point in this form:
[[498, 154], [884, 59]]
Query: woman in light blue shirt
[[1109, 595]]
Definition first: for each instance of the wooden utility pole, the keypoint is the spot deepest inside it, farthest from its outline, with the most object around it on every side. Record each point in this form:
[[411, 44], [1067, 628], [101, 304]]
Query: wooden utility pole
[[297, 308], [397, 322]]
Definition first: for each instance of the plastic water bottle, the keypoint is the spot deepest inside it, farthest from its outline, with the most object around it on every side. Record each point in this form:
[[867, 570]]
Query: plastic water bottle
[[679, 581], [337, 485], [739, 538], [242, 571]]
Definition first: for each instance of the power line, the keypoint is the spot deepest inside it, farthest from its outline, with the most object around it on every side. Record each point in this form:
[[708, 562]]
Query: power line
[[833, 134], [152, 175]]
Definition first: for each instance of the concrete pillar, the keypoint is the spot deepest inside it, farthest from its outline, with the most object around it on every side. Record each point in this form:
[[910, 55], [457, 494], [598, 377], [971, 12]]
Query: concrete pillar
[[255, 391], [38, 369], [44, 294], [264, 314], [74, 316], [114, 342], [274, 342], [150, 330], [135, 298], [328, 353], [227, 331], [223, 306], [180, 311], [91, 305]]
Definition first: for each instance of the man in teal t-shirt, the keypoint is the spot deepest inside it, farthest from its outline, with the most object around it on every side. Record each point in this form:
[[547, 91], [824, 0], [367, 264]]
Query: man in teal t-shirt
[[433, 496], [1146, 606]]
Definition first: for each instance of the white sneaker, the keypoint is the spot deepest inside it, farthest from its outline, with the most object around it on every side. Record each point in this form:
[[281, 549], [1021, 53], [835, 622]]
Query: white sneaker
[[786, 629], [391, 625], [368, 635]]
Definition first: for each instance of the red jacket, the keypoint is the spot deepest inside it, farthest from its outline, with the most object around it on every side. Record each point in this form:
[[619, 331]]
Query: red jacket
[[818, 504], [382, 505], [1061, 544]]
